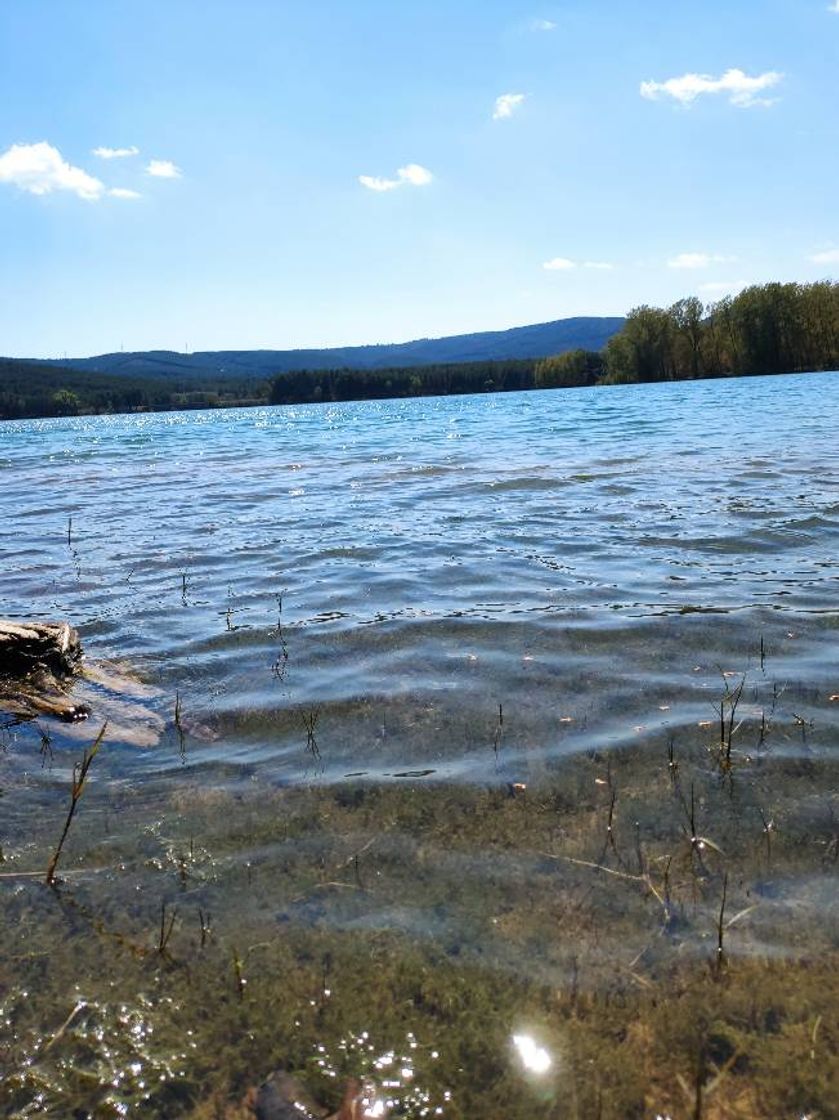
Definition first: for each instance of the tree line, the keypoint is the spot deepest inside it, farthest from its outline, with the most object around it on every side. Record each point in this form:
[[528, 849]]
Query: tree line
[[28, 389], [508, 376], [766, 329]]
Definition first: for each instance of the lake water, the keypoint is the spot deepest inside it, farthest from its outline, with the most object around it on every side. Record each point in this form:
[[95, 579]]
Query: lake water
[[433, 598], [558, 553]]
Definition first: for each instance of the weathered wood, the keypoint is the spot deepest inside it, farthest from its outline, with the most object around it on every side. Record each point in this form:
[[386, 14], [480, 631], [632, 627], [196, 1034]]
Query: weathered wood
[[36, 658], [27, 646], [28, 698]]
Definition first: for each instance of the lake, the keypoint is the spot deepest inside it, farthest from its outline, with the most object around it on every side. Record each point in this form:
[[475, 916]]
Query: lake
[[393, 682]]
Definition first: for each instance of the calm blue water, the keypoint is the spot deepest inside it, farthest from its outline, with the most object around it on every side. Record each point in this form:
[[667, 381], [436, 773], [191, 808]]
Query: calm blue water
[[590, 560]]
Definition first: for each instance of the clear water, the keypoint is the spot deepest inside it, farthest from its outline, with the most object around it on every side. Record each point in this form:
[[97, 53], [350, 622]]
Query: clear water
[[376, 677], [580, 558]]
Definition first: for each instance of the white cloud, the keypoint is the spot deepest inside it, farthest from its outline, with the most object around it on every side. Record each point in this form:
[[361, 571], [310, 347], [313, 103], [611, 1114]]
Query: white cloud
[[412, 175], [827, 256], [375, 183], [549, 25], [115, 153], [163, 169], [697, 260], [834, 7], [40, 169], [506, 105], [123, 192], [741, 89], [564, 264], [415, 175]]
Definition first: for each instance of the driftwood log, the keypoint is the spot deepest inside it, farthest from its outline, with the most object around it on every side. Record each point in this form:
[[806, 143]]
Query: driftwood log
[[37, 661], [38, 645]]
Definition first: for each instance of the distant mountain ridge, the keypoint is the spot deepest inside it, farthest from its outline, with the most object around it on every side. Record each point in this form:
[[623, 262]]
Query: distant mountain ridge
[[537, 341]]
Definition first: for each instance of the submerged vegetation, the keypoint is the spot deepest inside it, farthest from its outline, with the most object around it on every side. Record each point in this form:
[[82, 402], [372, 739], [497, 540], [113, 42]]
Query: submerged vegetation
[[767, 329], [649, 931]]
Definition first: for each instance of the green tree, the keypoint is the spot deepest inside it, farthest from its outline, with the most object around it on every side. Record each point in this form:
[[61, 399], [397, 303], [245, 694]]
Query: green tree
[[687, 317], [643, 349], [573, 368], [66, 403]]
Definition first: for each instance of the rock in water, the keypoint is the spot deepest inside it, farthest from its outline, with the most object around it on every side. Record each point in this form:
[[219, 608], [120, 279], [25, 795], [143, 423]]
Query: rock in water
[[28, 646], [281, 1097]]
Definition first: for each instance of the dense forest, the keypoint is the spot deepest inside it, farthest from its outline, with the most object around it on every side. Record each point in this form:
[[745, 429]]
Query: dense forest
[[770, 328], [767, 329], [421, 381], [30, 389]]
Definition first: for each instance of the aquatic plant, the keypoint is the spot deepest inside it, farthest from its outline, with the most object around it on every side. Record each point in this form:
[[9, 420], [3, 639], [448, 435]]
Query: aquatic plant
[[80, 772]]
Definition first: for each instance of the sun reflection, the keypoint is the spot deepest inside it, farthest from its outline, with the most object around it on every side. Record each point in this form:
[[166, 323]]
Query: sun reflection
[[393, 1080], [534, 1058]]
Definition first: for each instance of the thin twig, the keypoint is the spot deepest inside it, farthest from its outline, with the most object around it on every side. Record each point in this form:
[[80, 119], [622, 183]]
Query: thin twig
[[59, 1034], [721, 928]]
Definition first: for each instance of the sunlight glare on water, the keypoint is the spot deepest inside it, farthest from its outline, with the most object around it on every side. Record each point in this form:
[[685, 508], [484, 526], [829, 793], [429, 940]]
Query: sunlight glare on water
[[407, 584]]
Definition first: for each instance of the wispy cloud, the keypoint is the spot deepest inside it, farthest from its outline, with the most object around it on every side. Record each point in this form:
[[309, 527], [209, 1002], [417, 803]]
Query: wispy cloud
[[826, 256], [741, 89], [697, 260], [412, 175], [163, 169], [549, 25], [834, 7], [123, 192], [115, 153], [41, 169], [565, 264], [507, 104]]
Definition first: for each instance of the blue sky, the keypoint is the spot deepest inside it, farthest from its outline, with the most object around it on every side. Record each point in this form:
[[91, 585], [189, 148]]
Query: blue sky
[[327, 173]]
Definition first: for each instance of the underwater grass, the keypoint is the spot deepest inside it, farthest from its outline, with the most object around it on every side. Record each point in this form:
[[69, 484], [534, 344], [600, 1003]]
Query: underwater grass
[[665, 928]]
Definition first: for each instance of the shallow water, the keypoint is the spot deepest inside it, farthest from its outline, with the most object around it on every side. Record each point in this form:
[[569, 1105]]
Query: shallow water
[[457, 627]]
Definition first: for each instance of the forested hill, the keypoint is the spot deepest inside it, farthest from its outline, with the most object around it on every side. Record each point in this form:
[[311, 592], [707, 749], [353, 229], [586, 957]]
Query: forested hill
[[766, 329], [536, 341]]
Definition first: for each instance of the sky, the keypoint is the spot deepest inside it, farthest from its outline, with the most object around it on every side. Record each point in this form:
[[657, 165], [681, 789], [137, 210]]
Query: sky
[[244, 174]]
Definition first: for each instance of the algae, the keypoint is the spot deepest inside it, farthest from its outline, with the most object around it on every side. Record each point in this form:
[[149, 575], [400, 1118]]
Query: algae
[[407, 932]]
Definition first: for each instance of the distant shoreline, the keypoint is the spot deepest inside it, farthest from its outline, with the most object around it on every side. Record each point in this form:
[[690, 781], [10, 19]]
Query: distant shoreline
[[766, 329], [198, 400]]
